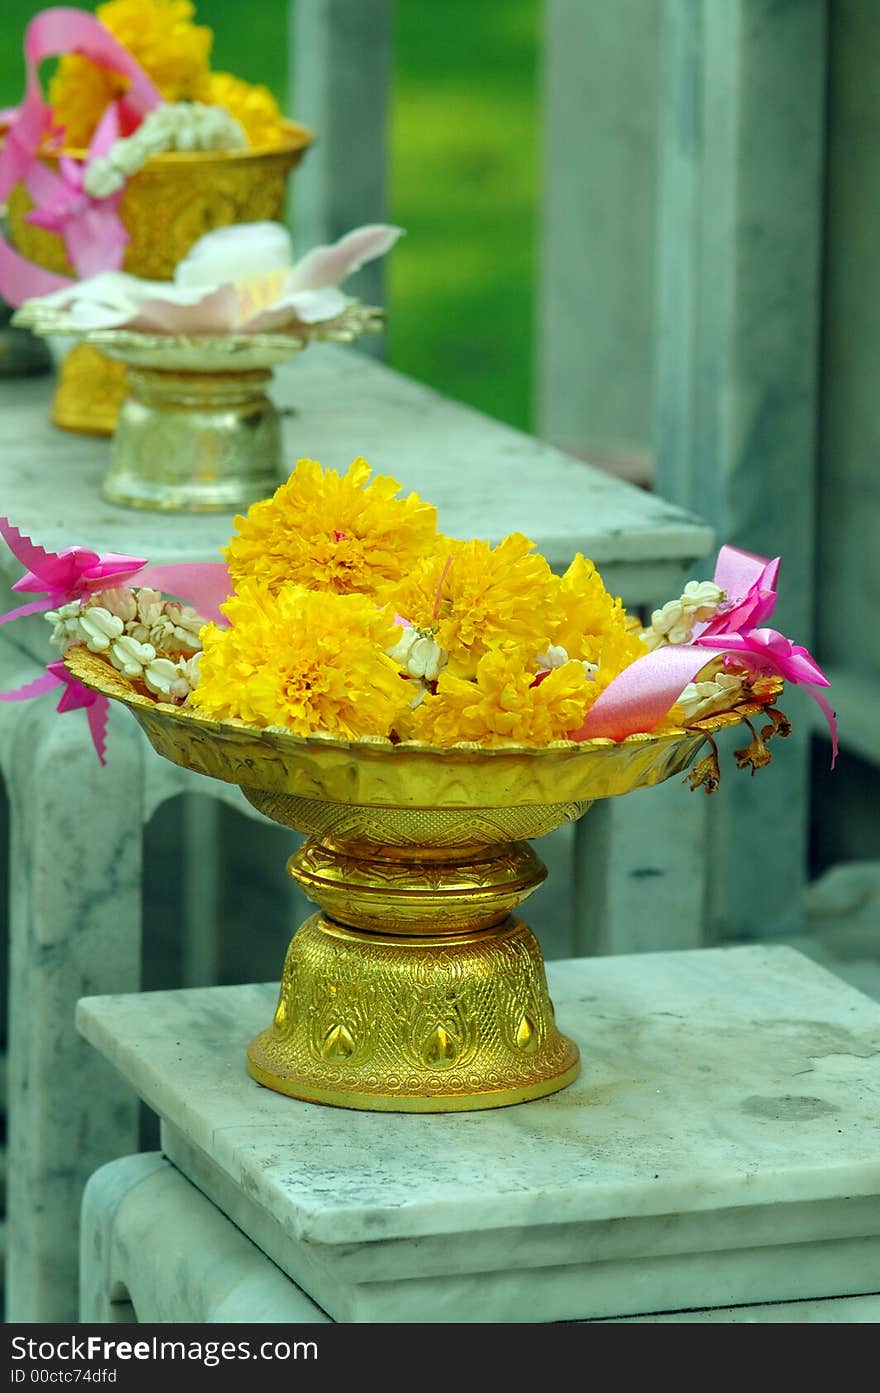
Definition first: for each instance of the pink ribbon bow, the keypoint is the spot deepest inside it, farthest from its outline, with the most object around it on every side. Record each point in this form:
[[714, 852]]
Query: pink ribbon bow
[[76, 573], [749, 585], [92, 230], [645, 691]]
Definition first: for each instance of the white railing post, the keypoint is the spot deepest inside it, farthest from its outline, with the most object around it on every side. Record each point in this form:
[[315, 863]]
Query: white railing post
[[595, 321], [340, 69], [741, 189]]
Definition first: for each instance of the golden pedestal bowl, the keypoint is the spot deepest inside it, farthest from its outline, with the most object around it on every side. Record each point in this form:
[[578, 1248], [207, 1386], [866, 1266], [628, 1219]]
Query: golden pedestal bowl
[[198, 431], [166, 207], [415, 989]]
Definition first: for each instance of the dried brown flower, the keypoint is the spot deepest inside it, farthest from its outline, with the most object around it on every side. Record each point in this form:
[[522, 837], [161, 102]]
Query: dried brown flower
[[706, 773]]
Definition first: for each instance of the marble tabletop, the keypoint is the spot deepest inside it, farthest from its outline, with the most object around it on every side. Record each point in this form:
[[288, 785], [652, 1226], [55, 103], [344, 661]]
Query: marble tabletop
[[728, 1105], [486, 478]]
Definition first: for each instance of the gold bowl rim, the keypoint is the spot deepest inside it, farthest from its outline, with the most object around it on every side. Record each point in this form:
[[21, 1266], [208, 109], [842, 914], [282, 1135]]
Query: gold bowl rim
[[203, 352], [298, 137], [374, 770]]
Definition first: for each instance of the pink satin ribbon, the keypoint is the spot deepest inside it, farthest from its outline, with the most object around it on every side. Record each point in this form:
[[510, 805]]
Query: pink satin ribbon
[[76, 573], [92, 230], [644, 692]]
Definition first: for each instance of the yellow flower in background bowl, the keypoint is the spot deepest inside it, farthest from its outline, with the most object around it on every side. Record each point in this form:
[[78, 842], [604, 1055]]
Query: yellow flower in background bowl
[[175, 53], [251, 105]]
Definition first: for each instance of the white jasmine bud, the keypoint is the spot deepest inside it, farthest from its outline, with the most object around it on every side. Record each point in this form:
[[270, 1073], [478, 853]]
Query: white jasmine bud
[[419, 654], [150, 606], [706, 698], [100, 627], [130, 657], [102, 179], [186, 625], [160, 676], [702, 598], [674, 623], [66, 628], [188, 676], [555, 656], [120, 600]]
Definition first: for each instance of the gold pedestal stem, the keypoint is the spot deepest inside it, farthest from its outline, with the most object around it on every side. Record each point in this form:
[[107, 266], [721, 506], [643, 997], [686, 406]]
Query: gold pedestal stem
[[194, 441], [416, 990]]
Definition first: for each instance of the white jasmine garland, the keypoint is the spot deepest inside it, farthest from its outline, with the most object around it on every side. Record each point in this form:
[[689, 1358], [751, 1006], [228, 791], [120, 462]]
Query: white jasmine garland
[[705, 698], [136, 629], [674, 623], [170, 126], [100, 627], [66, 629], [130, 657]]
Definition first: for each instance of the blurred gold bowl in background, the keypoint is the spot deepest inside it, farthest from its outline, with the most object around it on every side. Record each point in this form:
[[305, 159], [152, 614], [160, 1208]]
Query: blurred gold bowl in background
[[167, 206]]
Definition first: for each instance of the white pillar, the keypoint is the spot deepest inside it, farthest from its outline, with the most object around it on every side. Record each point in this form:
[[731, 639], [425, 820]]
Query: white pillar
[[738, 317], [340, 68]]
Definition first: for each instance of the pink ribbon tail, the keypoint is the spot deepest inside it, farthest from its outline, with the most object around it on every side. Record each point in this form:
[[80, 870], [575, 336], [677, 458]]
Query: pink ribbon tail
[[96, 714], [645, 691], [31, 556], [77, 697], [35, 607], [74, 697], [203, 584], [830, 716], [44, 683]]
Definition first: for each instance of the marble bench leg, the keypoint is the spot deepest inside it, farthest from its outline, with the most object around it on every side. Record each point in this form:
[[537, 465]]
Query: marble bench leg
[[75, 916], [640, 872], [154, 1249]]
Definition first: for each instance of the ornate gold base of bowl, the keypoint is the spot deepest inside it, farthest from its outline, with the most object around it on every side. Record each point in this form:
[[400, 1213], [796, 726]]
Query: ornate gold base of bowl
[[91, 389], [416, 990], [404, 1024], [196, 430]]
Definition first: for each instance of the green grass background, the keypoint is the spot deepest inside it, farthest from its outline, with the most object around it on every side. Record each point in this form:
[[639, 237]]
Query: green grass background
[[464, 178]]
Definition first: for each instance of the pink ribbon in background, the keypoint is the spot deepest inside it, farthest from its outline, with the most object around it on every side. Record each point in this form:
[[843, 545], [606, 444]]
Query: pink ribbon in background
[[92, 230], [76, 573], [644, 692]]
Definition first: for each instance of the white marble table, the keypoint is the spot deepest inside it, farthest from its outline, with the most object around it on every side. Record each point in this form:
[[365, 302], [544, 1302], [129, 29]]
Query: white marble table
[[154, 1249], [75, 893], [719, 1149]]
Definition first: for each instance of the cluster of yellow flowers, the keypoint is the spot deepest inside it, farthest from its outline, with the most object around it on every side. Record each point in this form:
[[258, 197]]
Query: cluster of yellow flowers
[[175, 53], [353, 615]]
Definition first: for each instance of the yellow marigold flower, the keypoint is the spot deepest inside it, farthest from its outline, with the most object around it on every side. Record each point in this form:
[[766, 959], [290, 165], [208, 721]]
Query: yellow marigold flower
[[471, 597], [160, 35], [584, 611], [504, 705], [252, 106], [332, 532], [615, 651], [304, 660]]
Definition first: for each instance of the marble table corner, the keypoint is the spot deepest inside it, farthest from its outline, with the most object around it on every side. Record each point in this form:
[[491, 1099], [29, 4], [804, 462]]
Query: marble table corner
[[719, 1149]]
